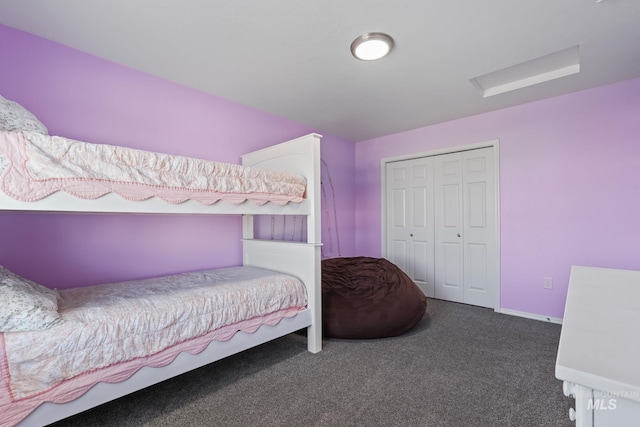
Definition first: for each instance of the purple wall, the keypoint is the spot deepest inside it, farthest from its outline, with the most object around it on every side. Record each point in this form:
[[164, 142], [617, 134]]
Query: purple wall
[[569, 187], [82, 97]]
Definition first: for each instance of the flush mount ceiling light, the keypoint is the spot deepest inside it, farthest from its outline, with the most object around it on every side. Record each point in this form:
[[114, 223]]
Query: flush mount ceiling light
[[371, 46]]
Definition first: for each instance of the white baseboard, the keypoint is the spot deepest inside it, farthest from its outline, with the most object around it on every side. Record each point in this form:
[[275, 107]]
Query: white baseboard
[[533, 316]]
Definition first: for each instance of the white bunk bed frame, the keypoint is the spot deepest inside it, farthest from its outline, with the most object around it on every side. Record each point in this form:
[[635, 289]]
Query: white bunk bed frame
[[300, 259]]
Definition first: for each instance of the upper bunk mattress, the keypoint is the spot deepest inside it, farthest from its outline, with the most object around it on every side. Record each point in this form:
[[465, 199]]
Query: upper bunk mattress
[[33, 166], [110, 331]]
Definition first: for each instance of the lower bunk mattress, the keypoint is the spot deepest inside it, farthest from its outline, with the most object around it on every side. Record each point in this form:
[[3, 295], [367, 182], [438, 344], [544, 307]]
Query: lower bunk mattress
[[108, 332]]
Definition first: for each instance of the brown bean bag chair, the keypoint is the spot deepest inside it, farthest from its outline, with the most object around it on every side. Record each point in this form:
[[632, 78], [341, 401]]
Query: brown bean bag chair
[[366, 298]]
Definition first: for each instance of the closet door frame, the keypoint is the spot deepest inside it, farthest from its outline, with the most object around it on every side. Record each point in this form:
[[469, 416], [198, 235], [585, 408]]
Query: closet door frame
[[495, 144]]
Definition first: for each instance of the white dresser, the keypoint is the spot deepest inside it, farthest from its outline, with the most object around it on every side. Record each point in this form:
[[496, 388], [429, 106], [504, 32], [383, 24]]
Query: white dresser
[[599, 352]]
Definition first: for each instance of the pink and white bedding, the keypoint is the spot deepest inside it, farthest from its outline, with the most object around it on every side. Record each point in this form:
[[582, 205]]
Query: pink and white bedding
[[34, 165], [110, 331]]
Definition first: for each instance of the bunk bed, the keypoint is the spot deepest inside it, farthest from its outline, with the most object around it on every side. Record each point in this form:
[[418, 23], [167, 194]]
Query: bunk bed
[[300, 157]]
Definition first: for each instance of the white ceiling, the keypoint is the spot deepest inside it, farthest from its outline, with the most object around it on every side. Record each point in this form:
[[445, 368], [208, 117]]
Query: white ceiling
[[291, 58]]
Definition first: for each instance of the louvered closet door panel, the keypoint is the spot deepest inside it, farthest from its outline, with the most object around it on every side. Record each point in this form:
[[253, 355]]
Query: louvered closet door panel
[[410, 219]]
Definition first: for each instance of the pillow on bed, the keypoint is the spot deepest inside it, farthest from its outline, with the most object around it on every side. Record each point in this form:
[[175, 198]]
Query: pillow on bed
[[26, 305], [14, 117]]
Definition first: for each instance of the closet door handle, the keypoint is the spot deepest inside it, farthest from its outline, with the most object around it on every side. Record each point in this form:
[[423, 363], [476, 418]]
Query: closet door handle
[[411, 235], [459, 235]]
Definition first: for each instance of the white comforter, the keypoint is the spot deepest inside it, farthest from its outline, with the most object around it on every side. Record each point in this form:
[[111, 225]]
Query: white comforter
[[108, 324], [33, 166]]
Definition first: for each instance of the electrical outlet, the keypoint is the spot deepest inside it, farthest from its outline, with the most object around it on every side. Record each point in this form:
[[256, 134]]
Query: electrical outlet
[[547, 282]]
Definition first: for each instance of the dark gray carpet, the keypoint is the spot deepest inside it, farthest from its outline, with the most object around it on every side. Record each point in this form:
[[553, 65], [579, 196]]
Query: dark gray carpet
[[461, 366]]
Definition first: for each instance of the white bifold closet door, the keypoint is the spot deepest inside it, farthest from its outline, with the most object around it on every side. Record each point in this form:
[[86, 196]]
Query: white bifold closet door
[[441, 224], [410, 220], [465, 227]]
